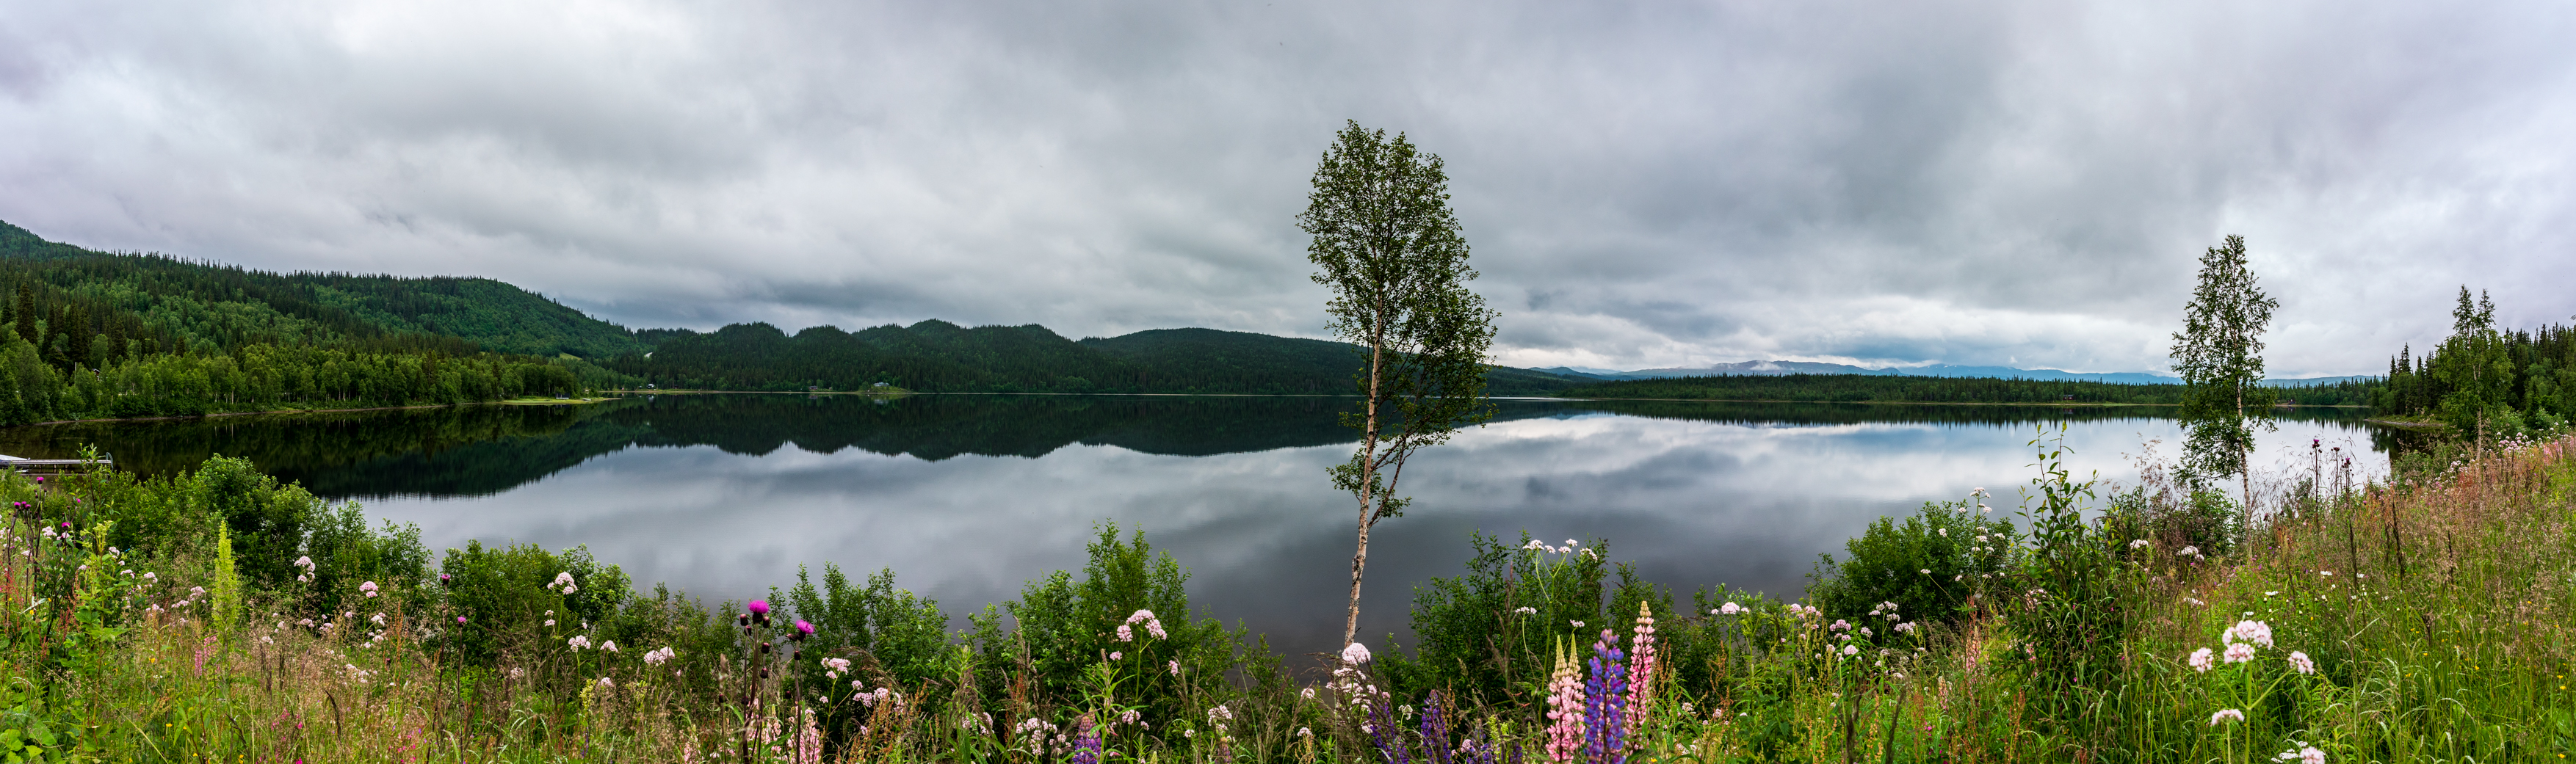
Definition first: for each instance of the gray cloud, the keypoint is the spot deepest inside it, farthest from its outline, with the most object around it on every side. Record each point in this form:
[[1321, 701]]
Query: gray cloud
[[1646, 184]]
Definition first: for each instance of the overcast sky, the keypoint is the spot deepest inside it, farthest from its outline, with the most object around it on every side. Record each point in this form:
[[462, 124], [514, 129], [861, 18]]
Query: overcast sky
[[1644, 185]]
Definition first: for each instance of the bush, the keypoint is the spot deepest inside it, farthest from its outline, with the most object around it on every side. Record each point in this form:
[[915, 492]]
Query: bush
[[1928, 565]]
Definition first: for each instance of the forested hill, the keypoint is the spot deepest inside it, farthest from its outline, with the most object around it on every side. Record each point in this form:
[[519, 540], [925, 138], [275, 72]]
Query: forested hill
[[87, 334], [937, 356], [194, 306]]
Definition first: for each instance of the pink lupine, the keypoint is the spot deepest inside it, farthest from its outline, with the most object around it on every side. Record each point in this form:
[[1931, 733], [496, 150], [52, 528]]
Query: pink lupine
[[1641, 670], [1565, 711]]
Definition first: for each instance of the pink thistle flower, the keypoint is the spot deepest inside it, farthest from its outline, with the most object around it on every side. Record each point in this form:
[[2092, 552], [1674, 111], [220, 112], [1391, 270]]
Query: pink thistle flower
[[757, 607]]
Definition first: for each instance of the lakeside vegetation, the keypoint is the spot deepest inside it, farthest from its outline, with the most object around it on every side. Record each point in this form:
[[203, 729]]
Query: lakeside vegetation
[[220, 614], [1860, 388]]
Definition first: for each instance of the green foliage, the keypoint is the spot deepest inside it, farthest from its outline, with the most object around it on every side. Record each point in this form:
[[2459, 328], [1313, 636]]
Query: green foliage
[[1471, 636], [1389, 249], [1928, 565], [904, 635], [2219, 355], [1060, 628], [2071, 603], [509, 600]]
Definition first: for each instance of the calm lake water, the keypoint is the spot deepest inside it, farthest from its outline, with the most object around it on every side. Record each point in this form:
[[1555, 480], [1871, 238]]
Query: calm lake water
[[968, 497]]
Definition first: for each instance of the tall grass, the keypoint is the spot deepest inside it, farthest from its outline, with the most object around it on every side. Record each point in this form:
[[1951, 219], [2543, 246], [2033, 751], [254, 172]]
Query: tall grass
[[219, 616]]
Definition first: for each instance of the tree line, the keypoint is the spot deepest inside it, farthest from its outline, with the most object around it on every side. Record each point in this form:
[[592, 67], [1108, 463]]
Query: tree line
[[1854, 388], [2485, 382]]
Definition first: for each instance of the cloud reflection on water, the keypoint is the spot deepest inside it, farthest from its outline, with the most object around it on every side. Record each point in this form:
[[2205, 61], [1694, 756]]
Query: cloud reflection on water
[[1691, 503]]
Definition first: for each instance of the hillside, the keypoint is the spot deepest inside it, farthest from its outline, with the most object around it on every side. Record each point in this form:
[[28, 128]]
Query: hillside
[[178, 305], [937, 356]]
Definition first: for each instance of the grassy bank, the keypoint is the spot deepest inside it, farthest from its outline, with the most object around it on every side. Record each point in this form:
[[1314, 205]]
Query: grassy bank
[[220, 616]]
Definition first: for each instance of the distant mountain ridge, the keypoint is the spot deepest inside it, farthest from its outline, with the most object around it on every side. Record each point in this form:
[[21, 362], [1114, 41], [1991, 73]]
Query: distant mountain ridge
[[1783, 368]]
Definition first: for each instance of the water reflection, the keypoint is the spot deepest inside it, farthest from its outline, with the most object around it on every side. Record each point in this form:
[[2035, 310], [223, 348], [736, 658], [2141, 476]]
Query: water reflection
[[967, 497]]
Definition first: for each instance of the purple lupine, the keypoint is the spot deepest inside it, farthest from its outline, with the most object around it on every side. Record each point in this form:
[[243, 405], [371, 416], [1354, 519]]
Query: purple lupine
[[1086, 742], [1384, 734], [1605, 702], [1435, 731]]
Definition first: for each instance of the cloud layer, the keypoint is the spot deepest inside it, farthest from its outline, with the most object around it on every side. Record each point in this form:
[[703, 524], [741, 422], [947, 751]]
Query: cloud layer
[[1647, 184]]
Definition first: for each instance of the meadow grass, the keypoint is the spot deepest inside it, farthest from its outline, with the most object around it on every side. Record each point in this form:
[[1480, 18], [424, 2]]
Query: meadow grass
[[2417, 619]]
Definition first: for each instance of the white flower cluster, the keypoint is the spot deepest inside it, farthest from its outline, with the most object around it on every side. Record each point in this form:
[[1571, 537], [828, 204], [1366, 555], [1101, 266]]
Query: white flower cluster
[[367, 588], [307, 564], [1728, 609], [579, 642], [658, 657], [832, 667], [563, 583]]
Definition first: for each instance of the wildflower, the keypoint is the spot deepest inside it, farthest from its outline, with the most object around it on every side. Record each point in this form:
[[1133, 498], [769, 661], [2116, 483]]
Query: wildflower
[[1116, 655], [2200, 660], [1355, 654], [2139, 544], [151, 576], [2226, 715], [1849, 650], [2188, 551], [2193, 602], [2301, 661], [2311, 756], [1220, 713], [304, 562], [1525, 610], [379, 619], [1140, 615], [804, 629], [2250, 631], [610, 645], [758, 608], [1925, 571], [368, 588], [657, 657], [1905, 628], [578, 642], [550, 622], [1175, 668], [606, 684], [1126, 634], [1308, 693], [1730, 609], [1577, 624], [836, 665], [2239, 652]]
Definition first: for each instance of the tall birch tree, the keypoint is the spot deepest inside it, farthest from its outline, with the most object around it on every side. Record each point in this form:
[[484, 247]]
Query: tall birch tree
[[2219, 355], [1388, 246]]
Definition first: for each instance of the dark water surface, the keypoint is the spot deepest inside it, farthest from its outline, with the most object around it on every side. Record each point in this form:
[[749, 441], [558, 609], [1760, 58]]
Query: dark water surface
[[968, 497]]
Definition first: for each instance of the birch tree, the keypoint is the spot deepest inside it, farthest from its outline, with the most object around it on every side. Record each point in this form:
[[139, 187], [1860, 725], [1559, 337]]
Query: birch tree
[[1389, 249], [2219, 355]]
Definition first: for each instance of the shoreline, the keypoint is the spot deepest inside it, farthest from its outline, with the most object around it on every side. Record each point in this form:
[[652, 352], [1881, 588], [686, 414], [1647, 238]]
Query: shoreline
[[626, 394]]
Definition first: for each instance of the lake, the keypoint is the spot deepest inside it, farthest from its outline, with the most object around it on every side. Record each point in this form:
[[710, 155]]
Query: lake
[[967, 497]]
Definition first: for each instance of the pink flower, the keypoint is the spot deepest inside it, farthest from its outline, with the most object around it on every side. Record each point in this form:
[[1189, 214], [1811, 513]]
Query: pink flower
[[804, 629], [2300, 661], [2250, 631], [2226, 715], [2311, 756], [1355, 654], [2239, 652], [1116, 655], [757, 607], [1126, 634], [2200, 660], [1175, 667]]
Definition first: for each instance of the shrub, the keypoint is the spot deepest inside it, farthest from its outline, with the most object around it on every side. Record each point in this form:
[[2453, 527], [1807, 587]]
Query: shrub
[[1928, 565]]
